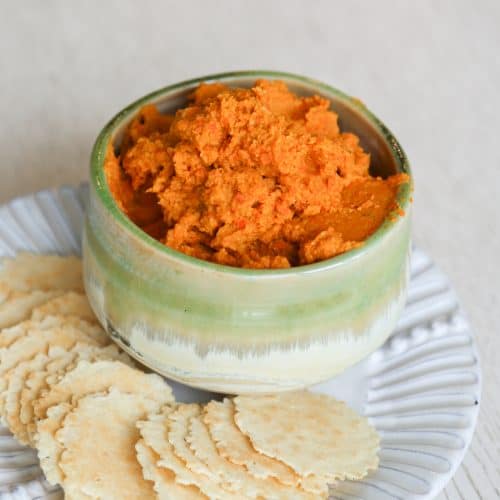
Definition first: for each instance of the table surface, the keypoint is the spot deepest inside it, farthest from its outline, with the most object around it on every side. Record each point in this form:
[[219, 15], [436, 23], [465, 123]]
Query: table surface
[[431, 70]]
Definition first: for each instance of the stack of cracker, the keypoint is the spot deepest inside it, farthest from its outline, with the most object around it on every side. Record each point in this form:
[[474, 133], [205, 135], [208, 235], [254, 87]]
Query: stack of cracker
[[106, 429], [285, 446], [65, 388]]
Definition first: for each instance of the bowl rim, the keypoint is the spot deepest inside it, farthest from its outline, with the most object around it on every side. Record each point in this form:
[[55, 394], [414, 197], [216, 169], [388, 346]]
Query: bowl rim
[[100, 185]]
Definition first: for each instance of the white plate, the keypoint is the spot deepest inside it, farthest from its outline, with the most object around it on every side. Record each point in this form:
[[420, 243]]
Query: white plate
[[421, 389]]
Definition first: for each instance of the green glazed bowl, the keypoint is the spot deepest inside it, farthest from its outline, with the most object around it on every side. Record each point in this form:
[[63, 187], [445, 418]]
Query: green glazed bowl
[[239, 330]]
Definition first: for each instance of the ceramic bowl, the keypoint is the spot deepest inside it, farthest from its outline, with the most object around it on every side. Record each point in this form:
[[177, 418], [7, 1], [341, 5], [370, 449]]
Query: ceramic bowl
[[239, 330]]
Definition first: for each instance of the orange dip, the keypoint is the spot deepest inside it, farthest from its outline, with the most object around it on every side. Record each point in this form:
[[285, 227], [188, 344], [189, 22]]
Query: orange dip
[[257, 178]]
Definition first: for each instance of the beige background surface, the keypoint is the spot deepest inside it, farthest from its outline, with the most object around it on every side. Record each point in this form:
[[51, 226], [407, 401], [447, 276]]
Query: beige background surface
[[430, 69]]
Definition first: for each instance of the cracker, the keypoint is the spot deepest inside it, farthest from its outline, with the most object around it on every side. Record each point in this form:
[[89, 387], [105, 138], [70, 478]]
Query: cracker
[[237, 448], [17, 306], [177, 431], [91, 377], [235, 476], [30, 280], [49, 449], [312, 433], [86, 379], [6, 380], [163, 479], [30, 327], [72, 494], [29, 346], [31, 387], [67, 304], [40, 381], [9, 335], [154, 431], [17, 396], [16, 383], [27, 272], [99, 437], [36, 342], [93, 330]]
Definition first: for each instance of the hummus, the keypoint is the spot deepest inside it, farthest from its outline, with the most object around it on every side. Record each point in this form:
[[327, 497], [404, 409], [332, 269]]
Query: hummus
[[257, 178]]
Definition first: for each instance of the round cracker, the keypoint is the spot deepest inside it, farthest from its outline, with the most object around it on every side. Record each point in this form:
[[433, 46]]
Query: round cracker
[[85, 379], [33, 328], [16, 383], [27, 272], [9, 335], [38, 382], [32, 385], [154, 431], [30, 280], [49, 449], [312, 433], [237, 448], [7, 379], [68, 304], [93, 330], [236, 477], [91, 377], [163, 479], [99, 437], [17, 306], [177, 431], [36, 342], [75, 495]]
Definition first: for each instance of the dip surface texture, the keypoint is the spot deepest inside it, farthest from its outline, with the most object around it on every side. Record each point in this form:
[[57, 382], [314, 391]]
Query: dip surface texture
[[257, 178]]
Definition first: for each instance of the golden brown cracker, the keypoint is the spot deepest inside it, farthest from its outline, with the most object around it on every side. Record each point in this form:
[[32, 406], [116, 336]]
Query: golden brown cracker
[[236, 477], [39, 382], [233, 445], [154, 431], [37, 342], [312, 433], [30, 327], [163, 479], [28, 271], [18, 306], [11, 334], [68, 304], [98, 437], [29, 280], [49, 449], [15, 383], [85, 379], [91, 377], [177, 431]]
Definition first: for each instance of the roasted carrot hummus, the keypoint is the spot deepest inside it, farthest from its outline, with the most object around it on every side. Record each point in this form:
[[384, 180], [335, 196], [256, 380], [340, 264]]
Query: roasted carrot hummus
[[257, 178]]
